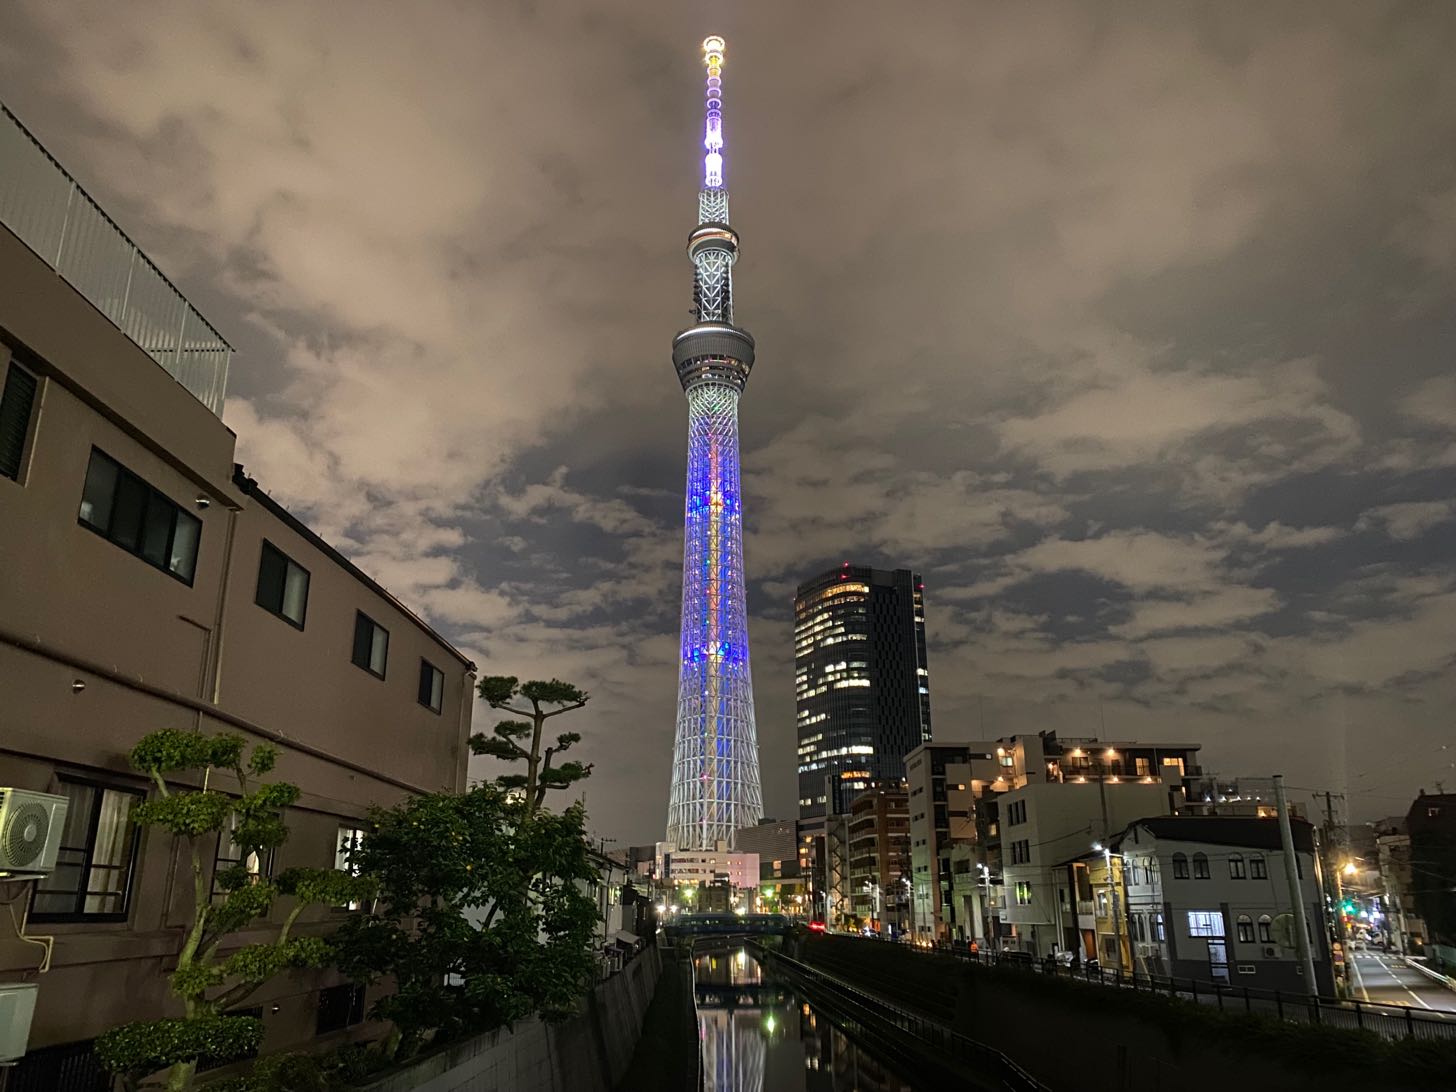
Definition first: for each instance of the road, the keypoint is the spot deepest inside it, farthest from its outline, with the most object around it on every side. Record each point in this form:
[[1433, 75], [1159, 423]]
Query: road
[[1387, 979]]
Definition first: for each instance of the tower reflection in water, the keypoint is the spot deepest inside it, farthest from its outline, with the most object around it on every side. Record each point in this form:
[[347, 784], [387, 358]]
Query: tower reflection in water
[[757, 1035]]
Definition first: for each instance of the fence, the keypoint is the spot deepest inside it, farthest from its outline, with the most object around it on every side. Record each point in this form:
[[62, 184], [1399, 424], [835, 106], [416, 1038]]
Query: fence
[[49, 212], [1390, 1021], [866, 1012]]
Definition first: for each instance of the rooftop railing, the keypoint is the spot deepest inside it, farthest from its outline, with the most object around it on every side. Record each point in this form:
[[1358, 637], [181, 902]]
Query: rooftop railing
[[47, 210]]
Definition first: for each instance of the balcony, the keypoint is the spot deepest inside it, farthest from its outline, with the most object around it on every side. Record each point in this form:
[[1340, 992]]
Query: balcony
[[47, 210]]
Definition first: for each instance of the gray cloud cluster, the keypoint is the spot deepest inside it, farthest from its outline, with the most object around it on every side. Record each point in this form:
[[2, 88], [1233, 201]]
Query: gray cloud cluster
[[1129, 327]]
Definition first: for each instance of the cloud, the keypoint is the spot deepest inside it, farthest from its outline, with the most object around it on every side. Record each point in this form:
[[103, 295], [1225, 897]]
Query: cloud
[[1407, 520]]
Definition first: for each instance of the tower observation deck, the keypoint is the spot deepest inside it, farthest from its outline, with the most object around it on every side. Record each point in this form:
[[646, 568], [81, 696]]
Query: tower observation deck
[[715, 783]]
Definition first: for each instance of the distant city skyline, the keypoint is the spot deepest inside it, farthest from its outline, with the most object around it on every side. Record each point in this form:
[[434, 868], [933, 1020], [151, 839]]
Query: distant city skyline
[[1129, 329]]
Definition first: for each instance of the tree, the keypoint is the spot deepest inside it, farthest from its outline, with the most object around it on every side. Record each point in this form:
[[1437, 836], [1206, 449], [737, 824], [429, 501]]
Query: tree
[[482, 918], [207, 980], [547, 700]]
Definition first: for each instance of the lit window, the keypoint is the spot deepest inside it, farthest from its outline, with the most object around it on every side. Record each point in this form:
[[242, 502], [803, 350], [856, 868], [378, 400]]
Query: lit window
[[1266, 929], [1205, 923], [92, 877], [230, 855]]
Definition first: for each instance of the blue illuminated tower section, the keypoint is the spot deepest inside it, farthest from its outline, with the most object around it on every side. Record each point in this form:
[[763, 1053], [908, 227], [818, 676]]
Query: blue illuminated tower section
[[715, 786]]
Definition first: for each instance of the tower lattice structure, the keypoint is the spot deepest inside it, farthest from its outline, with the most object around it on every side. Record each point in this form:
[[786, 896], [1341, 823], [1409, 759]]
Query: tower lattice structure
[[715, 784]]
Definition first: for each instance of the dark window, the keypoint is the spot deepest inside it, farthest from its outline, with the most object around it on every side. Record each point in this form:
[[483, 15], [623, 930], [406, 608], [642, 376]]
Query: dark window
[[1266, 929], [432, 686], [339, 1007], [1180, 866], [117, 504], [92, 879], [1200, 866], [1236, 866], [282, 585], [1256, 868], [371, 644], [15, 406], [1246, 929]]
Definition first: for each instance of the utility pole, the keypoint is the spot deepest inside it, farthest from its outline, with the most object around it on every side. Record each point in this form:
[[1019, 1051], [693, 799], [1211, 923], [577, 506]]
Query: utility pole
[[1296, 898]]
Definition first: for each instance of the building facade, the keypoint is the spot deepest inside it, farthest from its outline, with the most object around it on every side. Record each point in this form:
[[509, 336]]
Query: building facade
[[1026, 805], [782, 877], [151, 584], [715, 786], [861, 683], [1431, 826], [879, 858], [1207, 897]]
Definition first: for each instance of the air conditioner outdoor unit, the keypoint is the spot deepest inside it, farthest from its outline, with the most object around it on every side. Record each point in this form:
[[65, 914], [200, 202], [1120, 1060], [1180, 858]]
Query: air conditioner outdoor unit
[[30, 832], [17, 1008], [1270, 953]]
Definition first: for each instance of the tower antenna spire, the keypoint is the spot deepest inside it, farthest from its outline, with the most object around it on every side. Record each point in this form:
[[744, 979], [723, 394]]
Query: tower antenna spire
[[715, 778]]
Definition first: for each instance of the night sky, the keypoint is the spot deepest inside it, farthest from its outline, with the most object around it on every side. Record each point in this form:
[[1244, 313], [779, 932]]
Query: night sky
[[1132, 332]]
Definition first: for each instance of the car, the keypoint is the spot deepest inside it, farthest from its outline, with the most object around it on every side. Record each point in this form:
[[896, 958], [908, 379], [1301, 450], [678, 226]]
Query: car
[[816, 927], [1015, 958]]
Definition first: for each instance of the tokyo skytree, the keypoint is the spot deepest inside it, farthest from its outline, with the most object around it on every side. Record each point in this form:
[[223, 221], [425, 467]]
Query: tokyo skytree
[[715, 786]]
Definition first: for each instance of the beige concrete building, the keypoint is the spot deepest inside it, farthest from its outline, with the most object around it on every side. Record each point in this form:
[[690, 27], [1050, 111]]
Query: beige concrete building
[[147, 583]]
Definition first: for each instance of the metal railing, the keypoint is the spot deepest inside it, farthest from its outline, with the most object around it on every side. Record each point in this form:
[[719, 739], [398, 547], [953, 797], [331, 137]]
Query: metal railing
[[1389, 1021], [891, 1024], [47, 210]]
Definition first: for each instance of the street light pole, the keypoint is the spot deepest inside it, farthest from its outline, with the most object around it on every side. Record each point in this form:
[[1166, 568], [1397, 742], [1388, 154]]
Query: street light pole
[[1291, 873]]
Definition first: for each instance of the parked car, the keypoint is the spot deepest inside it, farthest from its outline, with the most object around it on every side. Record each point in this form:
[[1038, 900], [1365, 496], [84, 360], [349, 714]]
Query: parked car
[[1016, 958]]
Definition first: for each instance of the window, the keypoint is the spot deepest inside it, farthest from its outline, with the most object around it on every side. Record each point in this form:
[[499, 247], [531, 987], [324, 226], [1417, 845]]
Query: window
[[1180, 866], [230, 855], [118, 505], [1205, 923], [1175, 764], [1200, 866], [1102, 904], [1245, 926], [1158, 925], [1256, 868], [1021, 852], [1266, 929], [1142, 766], [432, 686], [339, 1007], [1236, 866], [15, 406], [1023, 894], [350, 839], [282, 585], [92, 879], [371, 644]]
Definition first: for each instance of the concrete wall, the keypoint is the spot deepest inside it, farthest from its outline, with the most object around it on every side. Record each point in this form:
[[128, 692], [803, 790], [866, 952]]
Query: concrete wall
[[588, 1053], [160, 653]]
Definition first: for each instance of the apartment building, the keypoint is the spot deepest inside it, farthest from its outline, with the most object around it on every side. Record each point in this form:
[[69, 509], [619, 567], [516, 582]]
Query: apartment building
[[1026, 805], [782, 875], [149, 583], [879, 857], [1207, 897]]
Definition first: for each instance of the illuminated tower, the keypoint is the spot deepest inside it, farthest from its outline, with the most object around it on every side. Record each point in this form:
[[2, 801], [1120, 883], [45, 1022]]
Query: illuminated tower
[[715, 788]]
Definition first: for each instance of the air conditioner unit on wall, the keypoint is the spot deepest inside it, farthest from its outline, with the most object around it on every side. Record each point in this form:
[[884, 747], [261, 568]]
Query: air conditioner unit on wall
[[30, 832], [17, 1008]]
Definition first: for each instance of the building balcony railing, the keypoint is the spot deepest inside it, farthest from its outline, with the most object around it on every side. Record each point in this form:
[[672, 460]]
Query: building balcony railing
[[47, 210]]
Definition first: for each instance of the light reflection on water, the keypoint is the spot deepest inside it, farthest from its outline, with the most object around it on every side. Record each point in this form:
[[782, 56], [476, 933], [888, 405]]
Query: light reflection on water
[[757, 1035]]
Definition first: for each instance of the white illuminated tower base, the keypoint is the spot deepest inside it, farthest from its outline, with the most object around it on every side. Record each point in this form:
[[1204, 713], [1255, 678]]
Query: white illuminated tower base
[[715, 786]]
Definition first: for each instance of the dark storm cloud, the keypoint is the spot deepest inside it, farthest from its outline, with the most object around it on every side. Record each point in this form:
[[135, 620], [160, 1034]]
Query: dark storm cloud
[[1128, 325]]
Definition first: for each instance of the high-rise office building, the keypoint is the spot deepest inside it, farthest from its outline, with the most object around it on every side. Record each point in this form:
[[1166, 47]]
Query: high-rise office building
[[860, 680], [715, 786]]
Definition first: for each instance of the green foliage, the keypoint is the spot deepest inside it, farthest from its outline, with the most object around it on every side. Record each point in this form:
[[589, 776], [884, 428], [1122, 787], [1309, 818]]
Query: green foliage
[[520, 740], [475, 886], [171, 749], [205, 982], [334, 1071], [149, 1045], [326, 886]]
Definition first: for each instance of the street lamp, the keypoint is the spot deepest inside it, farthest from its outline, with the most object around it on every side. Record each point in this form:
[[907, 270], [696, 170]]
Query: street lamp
[[1112, 899]]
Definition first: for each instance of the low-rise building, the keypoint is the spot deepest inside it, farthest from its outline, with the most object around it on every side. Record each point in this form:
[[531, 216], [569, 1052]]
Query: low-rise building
[[782, 880], [1403, 926], [1207, 898], [150, 584]]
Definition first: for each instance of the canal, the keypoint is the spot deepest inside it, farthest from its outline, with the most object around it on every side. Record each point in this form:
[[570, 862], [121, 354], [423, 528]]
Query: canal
[[759, 1034]]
